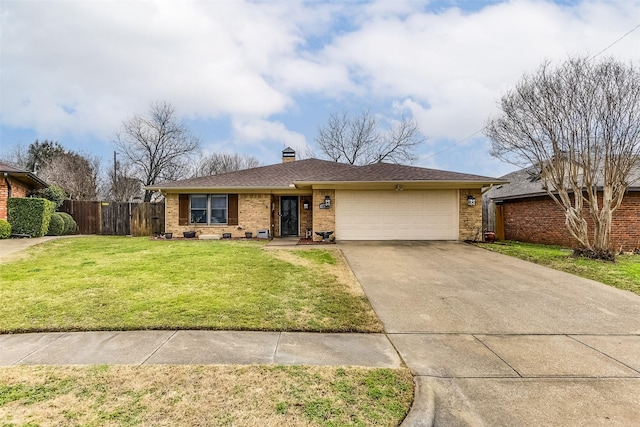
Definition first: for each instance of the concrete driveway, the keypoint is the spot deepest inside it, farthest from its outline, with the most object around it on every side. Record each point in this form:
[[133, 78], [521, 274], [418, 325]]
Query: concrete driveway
[[502, 341]]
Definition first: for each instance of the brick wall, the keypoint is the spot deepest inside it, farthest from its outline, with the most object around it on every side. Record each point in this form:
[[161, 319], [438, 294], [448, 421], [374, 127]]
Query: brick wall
[[306, 215], [323, 219], [470, 217], [254, 213], [540, 220], [17, 190]]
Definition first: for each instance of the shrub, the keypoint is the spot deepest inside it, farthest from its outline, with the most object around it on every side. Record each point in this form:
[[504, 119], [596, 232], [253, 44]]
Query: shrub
[[70, 224], [5, 229], [53, 193], [29, 216], [56, 225]]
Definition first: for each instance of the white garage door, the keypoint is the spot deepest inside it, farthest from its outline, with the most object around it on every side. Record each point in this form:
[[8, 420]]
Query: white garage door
[[397, 215]]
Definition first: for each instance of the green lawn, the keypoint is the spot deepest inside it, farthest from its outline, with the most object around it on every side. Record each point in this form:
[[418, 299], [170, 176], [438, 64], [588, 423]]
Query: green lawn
[[622, 274], [119, 283]]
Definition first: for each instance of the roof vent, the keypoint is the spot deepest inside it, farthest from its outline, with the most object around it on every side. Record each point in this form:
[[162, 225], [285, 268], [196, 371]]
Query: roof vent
[[288, 155]]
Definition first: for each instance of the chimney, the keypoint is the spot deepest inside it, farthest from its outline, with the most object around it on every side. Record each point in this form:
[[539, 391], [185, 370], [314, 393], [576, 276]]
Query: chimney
[[288, 155]]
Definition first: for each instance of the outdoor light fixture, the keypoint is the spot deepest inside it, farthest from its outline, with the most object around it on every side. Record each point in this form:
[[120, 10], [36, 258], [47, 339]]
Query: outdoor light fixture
[[471, 201], [326, 204], [398, 187]]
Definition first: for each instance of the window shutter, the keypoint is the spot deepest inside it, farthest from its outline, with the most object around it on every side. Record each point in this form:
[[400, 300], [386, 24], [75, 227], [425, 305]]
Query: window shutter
[[183, 209], [232, 209]]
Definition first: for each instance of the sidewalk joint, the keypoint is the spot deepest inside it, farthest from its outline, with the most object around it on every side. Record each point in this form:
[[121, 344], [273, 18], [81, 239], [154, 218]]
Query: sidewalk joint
[[158, 348]]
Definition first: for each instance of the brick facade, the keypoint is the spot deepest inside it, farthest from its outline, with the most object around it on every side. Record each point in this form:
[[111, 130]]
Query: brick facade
[[306, 215], [18, 189], [261, 212], [254, 213], [540, 220], [323, 219], [470, 217]]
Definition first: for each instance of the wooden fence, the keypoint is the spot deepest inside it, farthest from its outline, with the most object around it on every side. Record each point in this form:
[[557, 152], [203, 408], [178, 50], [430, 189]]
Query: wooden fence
[[116, 218]]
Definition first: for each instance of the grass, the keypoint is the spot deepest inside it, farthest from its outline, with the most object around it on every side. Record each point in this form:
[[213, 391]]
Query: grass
[[119, 283], [203, 395], [624, 273]]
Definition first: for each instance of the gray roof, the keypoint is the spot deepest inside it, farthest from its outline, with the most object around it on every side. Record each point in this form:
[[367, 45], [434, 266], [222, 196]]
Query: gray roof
[[283, 175], [23, 176], [526, 183]]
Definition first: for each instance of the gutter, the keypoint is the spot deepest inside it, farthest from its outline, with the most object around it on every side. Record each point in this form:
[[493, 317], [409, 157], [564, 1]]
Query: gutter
[[544, 193], [6, 179]]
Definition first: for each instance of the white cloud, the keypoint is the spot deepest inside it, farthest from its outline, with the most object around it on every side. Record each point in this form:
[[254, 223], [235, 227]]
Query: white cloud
[[456, 65], [251, 131], [81, 68]]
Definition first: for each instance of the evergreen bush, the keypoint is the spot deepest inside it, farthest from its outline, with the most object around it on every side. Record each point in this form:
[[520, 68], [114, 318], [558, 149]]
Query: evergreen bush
[[56, 225], [70, 224], [29, 216], [5, 229]]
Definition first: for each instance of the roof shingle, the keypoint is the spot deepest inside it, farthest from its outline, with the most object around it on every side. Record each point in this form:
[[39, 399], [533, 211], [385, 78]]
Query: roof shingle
[[282, 175]]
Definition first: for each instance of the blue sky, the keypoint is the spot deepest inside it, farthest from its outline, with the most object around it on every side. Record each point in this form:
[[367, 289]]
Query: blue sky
[[254, 77]]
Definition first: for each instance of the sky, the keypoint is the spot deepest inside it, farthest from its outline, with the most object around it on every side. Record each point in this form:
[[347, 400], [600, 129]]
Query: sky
[[254, 77]]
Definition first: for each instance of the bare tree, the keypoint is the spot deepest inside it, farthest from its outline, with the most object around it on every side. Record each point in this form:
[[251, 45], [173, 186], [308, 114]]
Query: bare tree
[[76, 174], [217, 163], [580, 123], [158, 146], [17, 156], [123, 186], [359, 140]]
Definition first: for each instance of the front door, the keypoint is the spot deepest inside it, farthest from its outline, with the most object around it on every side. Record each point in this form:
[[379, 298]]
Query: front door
[[289, 215]]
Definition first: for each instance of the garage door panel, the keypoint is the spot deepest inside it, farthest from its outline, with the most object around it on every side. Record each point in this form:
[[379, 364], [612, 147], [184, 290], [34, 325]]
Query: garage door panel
[[391, 215]]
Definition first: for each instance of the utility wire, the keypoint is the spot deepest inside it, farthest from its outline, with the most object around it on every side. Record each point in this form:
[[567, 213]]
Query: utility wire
[[448, 147], [625, 35]]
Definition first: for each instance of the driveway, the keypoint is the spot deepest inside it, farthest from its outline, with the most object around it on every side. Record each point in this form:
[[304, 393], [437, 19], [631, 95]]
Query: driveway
[[503, 341]]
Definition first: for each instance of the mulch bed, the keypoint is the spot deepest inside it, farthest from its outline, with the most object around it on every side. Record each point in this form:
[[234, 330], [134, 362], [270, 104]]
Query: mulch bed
[[304, 241]]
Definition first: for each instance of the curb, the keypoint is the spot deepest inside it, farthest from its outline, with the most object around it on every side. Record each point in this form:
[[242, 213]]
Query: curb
[[423, 409]]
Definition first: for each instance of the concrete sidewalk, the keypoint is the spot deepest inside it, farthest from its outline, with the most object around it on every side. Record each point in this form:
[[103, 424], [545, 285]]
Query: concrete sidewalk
[[197, 347]]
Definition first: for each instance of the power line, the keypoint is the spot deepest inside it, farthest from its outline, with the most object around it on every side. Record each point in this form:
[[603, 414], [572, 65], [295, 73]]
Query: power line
[[625, 35], [455, 143], [480, 130]]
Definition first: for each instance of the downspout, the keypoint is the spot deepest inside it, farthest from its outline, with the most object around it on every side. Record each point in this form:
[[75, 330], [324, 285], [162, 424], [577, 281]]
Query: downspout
[[6, 179]]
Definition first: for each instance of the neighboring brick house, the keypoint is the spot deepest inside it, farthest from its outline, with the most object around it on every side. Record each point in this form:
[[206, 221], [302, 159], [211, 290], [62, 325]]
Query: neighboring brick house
[[523, 211], [298, 198], [16, 182]]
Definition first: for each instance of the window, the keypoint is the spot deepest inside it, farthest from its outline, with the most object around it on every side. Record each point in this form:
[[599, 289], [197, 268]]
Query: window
[[198, 209], [218, 208], [208, 209]]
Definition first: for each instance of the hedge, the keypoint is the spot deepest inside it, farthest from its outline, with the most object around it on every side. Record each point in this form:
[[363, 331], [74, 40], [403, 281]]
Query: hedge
[[70, 224], [29, 216], [56, 226], [5, 229]]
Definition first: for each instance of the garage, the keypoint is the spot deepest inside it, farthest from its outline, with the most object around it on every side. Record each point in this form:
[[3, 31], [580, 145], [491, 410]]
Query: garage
[[397, 215]]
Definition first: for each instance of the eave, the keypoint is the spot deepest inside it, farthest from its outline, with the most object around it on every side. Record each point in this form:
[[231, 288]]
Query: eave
[[633, 189], [228, 189], [392, 185], [26, 178]]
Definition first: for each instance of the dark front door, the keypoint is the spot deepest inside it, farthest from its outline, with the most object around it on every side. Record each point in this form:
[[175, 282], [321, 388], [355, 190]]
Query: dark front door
[[289, 215]]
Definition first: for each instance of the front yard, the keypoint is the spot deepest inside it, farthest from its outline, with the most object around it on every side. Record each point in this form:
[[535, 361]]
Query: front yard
[[118, 283], [622, 274], [112, 283]]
